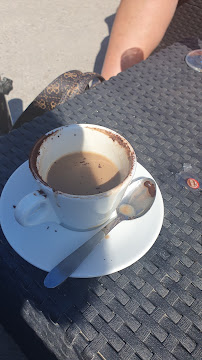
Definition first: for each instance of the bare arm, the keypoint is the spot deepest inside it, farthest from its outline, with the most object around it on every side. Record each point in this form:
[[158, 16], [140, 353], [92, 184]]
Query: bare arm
[[138, 28]]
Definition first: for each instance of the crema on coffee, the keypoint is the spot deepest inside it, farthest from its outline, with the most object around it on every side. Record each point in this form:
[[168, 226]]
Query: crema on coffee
[[83, 173]]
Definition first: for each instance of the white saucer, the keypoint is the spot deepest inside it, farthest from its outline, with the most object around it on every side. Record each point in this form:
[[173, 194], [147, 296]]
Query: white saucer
[[44, 246]]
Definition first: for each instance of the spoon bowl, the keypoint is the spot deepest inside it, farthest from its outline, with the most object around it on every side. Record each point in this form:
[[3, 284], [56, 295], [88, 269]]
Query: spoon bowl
[[139, 199]]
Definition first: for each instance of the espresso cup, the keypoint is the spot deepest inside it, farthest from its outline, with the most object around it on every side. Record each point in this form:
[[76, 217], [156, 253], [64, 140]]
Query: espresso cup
[[75, 210]]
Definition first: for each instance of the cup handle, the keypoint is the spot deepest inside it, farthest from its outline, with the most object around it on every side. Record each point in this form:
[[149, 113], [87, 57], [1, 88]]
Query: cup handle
[[35, 209]]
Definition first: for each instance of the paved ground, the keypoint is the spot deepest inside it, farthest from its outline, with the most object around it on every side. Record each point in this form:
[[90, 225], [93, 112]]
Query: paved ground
[[41, 39]]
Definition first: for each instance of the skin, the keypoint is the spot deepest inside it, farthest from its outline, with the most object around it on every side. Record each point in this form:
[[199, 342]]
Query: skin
[[138, 28]]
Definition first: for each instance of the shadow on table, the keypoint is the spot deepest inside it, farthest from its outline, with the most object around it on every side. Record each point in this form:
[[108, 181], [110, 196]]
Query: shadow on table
[[50, 315], [13, 322], [47, 316]]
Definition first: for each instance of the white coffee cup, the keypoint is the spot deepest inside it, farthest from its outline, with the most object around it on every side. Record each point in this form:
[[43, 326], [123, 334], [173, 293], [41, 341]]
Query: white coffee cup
[[76, 212]]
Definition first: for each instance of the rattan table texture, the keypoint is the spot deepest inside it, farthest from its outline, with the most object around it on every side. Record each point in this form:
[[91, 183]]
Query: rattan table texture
[[150, 310]]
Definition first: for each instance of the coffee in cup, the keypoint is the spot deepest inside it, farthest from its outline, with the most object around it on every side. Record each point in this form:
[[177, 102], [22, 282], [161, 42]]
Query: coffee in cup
[[83, 173]]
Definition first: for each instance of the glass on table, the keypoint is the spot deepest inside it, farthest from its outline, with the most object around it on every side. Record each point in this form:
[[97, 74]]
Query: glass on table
[[194, 59]]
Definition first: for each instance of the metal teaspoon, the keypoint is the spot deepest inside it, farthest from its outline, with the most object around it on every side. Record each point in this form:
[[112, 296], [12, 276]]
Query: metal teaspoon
[[136, 203]]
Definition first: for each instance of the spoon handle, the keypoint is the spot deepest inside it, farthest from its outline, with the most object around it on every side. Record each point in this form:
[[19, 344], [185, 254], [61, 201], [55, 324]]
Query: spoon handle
[[67, 266]]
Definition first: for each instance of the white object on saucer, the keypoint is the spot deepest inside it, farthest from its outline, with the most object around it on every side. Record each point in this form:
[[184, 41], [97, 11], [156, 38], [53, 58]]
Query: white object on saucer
[[45, 245]]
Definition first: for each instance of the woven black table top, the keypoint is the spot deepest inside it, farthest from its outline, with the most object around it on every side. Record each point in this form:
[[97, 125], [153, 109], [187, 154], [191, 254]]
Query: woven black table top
[[150, 310]]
